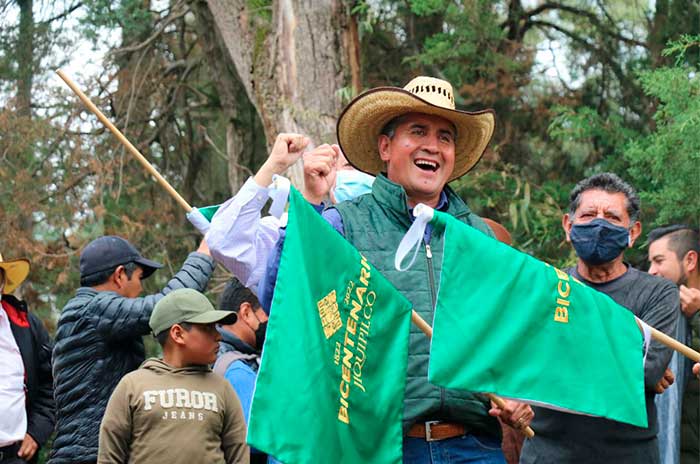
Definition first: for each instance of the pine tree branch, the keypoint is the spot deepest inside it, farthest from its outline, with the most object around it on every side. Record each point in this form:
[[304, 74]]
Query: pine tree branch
[[62, 15]]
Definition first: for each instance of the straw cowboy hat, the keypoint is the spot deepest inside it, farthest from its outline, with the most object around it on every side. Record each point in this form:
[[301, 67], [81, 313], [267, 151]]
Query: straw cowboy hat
[[15, 272], [362, 120]]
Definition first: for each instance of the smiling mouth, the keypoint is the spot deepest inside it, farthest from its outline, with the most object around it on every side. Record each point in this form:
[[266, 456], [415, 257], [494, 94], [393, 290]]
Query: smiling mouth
[[426, 165]]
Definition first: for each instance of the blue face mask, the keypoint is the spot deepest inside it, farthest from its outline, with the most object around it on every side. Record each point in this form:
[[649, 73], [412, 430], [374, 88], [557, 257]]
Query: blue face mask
[[350, 184], [598, 241]]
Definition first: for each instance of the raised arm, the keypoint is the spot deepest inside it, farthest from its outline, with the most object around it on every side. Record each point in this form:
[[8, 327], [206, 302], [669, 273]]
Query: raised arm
[[238, 236]]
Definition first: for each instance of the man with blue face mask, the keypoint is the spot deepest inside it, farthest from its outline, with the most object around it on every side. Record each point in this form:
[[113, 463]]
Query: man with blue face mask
[[602, 222]]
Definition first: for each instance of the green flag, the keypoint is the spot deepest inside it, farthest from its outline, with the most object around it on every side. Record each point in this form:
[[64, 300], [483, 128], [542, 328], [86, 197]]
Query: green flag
[[332, 377], [208, 211], [510, 324], [201, 217]]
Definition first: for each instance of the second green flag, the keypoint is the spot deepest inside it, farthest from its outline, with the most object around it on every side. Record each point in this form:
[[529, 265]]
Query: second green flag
[[510, 324]]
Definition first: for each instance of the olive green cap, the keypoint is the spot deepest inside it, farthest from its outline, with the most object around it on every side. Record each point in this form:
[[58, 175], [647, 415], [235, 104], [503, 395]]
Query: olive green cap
[[186, 305]]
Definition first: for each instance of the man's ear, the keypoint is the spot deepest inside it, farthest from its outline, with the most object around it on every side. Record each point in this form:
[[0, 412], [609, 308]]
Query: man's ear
[[244, 310], [690, 261], [177, 334], [383, 146], [566, 224], [635, 232], [119, 277]]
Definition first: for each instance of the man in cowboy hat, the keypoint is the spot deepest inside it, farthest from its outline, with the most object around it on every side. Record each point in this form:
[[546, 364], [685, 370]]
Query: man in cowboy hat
[[99, 336], [26, 385], [415, 142]]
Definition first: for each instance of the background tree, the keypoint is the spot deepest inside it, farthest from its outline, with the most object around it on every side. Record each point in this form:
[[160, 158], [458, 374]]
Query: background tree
[[203, 87], [291, 57]]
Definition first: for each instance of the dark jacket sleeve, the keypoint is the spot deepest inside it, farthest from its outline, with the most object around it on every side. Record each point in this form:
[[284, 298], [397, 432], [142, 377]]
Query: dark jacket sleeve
[[41, 408], [120, 317]]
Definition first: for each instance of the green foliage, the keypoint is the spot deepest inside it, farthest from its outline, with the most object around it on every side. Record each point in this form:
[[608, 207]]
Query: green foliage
[[589, 138], [662, 162], [131, 17], [261, 8], [428, 7], [666, 162], [532, 213], [69, 181], [679, 48], [465, 48]]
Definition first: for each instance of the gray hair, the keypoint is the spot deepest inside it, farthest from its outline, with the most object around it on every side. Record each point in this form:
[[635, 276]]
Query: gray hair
[[608, 182]]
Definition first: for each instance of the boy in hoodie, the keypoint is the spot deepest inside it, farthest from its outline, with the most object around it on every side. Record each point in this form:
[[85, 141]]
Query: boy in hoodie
[[175, 409]]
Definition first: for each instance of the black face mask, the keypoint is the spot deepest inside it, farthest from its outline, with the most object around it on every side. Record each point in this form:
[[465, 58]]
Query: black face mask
[[260, 335], [598, 241]]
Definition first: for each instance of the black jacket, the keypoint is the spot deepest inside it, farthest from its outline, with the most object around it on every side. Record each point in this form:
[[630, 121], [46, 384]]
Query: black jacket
[[98, 341], [35, 347]]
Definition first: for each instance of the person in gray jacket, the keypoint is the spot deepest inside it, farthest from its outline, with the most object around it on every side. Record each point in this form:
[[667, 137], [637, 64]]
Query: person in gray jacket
[[602, 222], [98, 337]]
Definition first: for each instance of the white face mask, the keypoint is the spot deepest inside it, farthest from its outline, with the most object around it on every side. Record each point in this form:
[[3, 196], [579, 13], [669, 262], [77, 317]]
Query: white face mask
[[350, 184]]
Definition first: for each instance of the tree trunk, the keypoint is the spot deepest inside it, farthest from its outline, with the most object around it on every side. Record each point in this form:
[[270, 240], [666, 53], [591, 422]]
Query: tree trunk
[[292, 61], [242, 123], [25, 58]]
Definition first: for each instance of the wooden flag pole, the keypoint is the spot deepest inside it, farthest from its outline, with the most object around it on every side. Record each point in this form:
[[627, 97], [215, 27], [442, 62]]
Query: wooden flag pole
[[674, 344], [655, 334], [428, 331], [132, 149]]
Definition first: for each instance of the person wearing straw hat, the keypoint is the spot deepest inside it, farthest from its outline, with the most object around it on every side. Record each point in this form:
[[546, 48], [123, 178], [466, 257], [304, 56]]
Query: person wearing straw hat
[[99, 336], [26, 386], [414, 141]]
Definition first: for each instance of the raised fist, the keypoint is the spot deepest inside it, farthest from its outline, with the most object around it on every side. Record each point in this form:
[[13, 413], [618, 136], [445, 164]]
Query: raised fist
[[286, 150], [320, 167]]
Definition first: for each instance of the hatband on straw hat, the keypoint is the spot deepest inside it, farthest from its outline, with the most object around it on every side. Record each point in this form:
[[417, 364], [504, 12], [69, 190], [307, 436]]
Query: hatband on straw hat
[[361, 122], [16, 271]]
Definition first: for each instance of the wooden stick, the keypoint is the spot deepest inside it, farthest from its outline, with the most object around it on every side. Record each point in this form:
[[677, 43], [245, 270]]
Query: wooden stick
[[655, 334], [428, 331], [421, 324], [132, 149], [671, 342], [675, 344]]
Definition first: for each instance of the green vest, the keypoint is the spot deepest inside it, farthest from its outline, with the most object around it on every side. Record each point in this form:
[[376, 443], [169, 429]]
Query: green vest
[[375, 223]]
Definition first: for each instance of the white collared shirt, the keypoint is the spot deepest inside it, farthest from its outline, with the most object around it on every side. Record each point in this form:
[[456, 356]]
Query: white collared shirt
[[13, 415], [239, 238]]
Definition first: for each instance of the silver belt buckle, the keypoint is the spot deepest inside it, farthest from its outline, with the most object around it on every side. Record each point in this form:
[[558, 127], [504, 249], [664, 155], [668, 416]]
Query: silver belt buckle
[[429, 431]]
